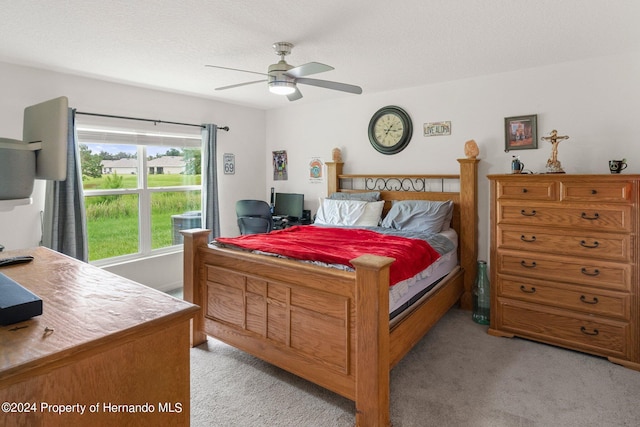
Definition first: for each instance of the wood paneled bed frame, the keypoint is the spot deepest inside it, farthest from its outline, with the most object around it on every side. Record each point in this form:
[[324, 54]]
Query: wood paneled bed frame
[[329, 326]]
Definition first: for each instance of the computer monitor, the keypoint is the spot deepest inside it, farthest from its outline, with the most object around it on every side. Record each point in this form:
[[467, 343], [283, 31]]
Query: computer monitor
[[289, 205]]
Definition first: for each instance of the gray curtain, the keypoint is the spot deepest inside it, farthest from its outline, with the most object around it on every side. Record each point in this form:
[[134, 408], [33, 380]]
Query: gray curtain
[[64, 222], [210, 207]]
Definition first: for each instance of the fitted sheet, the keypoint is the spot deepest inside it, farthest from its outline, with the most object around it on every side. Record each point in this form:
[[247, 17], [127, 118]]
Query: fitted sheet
[[406, 293]]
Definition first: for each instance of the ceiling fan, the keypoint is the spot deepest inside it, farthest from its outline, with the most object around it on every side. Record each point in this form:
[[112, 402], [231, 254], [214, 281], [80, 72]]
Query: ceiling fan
[[283, 78]]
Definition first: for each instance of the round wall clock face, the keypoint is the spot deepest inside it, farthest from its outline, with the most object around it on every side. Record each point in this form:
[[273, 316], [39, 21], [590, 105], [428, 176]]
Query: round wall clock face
[[390, 130]]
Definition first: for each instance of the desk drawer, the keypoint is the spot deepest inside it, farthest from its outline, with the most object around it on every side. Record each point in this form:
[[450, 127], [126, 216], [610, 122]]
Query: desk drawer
[[583, 299], [587, 333], [616, 247], [596, 273]]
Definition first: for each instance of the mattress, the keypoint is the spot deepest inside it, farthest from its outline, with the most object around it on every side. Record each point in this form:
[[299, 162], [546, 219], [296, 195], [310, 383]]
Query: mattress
[[404, 294]]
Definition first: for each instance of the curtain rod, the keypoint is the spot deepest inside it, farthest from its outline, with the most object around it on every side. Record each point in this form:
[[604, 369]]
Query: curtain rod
[[224, 128]]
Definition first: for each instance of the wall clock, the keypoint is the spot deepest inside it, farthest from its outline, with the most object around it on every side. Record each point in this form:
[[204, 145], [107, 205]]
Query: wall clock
[[390, 130]]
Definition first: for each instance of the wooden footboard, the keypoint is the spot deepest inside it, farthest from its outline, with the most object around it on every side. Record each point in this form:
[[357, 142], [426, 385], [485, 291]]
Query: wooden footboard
[[325, 325]]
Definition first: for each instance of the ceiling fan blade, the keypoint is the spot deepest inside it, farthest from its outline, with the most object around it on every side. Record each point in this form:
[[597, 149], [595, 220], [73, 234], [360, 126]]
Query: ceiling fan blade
[[236, 69], [308, 69], [331, 85], [295, 95], [240, 84]]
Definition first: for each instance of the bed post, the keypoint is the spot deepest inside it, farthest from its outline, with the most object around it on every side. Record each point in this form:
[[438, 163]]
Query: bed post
[[192, 292], [334, 170], [468, 226], [372, 340]]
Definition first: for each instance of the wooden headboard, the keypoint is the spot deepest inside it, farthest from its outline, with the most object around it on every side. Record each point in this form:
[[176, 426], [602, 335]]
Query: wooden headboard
[[460, 188]]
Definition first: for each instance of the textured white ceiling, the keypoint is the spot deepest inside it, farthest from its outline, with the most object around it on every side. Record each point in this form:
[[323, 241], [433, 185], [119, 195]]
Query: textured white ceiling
[[377, 44]]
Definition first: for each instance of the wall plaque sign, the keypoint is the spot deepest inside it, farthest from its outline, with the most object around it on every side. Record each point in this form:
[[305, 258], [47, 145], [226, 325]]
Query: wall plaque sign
[[437, 129], [229, 163]]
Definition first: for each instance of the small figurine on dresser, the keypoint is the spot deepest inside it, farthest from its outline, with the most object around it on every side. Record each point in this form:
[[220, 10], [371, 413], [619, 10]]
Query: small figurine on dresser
[[553, 164]]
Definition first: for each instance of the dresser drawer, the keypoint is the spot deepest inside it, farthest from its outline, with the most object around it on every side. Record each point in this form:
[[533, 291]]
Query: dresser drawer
[[587, 333], [596, 192], [601, 274], [616, 247], [584, 299], [527, 190], [592, 217]]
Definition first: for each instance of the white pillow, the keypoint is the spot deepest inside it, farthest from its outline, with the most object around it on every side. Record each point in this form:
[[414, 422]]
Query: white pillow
[[372, 214], [349, 212], [339, 212]]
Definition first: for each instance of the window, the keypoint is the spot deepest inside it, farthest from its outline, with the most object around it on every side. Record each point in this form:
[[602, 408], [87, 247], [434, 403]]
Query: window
[[132, 214]]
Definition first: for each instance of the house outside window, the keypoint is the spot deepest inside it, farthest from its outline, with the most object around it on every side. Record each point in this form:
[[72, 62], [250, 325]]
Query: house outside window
[[130, 214]]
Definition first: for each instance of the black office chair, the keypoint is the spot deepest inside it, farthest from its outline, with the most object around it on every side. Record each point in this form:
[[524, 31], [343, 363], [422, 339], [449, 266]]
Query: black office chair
[[254, 216]]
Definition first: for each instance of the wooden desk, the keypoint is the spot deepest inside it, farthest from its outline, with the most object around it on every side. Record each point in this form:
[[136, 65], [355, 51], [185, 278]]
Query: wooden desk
[[119, 351]]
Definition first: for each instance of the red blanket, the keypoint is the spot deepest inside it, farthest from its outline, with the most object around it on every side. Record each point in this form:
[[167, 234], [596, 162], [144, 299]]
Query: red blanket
[[340, 245]]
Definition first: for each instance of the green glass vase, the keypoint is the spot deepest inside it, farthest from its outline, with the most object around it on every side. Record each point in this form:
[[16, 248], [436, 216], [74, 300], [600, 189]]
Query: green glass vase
[[481, 299]]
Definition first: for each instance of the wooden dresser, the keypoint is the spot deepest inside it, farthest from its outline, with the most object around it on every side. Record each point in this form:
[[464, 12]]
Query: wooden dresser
[[564, 262], [106, 351]]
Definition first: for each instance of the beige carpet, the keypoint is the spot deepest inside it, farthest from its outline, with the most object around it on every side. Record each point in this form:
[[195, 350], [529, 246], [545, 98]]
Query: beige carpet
[[456, 376]]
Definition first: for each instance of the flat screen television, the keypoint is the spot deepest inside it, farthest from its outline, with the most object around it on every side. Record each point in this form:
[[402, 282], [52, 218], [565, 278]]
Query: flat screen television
[[289, 205]]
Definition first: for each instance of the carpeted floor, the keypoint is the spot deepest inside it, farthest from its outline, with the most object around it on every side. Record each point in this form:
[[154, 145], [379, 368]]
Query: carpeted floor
[[456, 376]]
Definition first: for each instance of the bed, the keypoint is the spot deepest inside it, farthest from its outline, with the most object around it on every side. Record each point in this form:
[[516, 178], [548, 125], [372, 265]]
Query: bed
[[329, 326]]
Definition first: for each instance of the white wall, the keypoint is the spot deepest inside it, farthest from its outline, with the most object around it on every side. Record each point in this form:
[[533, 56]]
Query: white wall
[[595, 102], [22, 86]]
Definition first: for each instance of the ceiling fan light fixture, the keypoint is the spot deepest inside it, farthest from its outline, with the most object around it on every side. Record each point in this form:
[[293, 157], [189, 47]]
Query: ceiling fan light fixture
[[280, 87], [283, 78]]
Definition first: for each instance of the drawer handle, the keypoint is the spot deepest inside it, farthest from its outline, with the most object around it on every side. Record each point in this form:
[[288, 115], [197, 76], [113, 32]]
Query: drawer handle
[[524, 213], [593, 246], [525, 265], [527, 291], [584, 300], [587, 273], [584, 331], [524, 239], [594, 191], [590, 218], [524, 190]]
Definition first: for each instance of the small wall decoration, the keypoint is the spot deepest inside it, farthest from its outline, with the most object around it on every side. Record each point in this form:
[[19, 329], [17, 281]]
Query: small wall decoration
[[229, 161], [437, 129], [280, 166], [315, 170], [521, 133]]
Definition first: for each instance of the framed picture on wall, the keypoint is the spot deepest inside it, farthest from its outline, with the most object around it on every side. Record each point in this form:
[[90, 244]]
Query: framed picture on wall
[[280, 166], [521, 132]]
